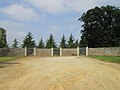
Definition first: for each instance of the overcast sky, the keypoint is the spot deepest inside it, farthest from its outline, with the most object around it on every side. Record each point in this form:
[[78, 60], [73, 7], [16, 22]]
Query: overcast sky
[[42, 17]]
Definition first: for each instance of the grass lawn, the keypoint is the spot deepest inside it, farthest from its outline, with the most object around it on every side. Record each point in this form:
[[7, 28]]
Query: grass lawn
[[2, 59], [114, 59]]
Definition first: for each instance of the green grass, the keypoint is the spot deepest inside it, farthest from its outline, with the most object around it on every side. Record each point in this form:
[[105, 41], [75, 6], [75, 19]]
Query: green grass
[[113, 59], [3, 59]]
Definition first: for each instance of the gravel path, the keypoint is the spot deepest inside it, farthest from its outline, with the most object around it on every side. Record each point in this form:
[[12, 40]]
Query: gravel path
[[59, 73]]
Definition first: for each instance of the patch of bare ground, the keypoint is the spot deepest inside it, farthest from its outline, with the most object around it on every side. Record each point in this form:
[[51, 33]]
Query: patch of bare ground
[[59, 73]]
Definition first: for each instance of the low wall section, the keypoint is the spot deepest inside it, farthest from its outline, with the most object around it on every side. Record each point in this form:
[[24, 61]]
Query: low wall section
[[12, 52], [69, 52], [43, 52], [111, 51]]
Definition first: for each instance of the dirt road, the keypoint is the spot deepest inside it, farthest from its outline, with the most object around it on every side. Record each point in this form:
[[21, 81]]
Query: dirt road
[[59, 73]]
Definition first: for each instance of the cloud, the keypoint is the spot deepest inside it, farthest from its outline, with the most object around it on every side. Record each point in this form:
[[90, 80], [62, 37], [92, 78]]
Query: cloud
[[18, 12], [60, 6], [81, 5], [50, 6]]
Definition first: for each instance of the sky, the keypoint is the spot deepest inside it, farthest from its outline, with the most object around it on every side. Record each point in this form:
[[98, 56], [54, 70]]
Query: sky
[[43, 17]]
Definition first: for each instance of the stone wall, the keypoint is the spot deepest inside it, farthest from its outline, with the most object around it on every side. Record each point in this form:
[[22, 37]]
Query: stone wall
[[12, 52], [69, 52], [82, 51], [43, 52], [112, 51]]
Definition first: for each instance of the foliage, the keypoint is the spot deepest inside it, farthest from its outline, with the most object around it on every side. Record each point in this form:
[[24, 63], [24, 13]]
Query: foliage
[[15, 43], [101, 27], [71, 42], [114, 59], [28, 41], [3, 42], [63, 42], [41, 44], [51, 42], [76, 43]]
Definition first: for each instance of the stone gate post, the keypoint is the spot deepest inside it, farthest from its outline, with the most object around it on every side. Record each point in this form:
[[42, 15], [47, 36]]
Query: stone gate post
[[52, 51], [34, 51], [86, 50], [25, 51], [60, 51], [78, 51]]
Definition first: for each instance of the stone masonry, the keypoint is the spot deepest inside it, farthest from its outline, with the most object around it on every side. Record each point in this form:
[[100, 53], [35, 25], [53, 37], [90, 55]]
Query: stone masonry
[[69, 52], [12, 52], [111, 51], [43, 52]]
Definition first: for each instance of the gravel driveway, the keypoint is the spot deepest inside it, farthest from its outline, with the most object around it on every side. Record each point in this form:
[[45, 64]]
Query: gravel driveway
[[59, 73]]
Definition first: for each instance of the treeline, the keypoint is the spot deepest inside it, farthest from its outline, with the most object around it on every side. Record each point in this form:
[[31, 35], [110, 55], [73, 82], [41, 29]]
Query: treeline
[[30, 42]]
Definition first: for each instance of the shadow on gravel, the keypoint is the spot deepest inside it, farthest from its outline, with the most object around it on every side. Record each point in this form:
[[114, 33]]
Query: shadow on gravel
[[9, 63], [4, 64]]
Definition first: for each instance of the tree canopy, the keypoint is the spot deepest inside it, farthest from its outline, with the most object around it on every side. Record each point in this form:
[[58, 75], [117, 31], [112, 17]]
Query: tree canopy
[[76, 43], [63, 42], [15, 43], [3, 41], [41, 44], [101, 27], [28, 41], [71, 42], [51, 42]]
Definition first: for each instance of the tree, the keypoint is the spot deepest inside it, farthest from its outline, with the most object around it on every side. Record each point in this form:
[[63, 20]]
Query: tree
[[28, 41], [71, 42], [101, 27], [41, 44], [76, 43], [51, 42], [15, 43], [63, 42], [3, 41]]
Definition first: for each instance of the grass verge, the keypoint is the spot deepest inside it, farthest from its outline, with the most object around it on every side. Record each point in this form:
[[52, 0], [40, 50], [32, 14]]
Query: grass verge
[[3, 59], [113, 59]]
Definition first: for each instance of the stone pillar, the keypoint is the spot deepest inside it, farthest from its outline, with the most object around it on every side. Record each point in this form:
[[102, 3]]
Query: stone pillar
[[34, 51], [25, 51], [87, 51], [78, 51], [60, 51], [52, 51]]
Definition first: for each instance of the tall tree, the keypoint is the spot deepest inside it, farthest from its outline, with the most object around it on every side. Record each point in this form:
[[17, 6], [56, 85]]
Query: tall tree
[[101, 27], [15, 43], [71, 42], [76, 43], [51, 42], [41, 44], [3, 42], [28, 41], [63, 42]]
